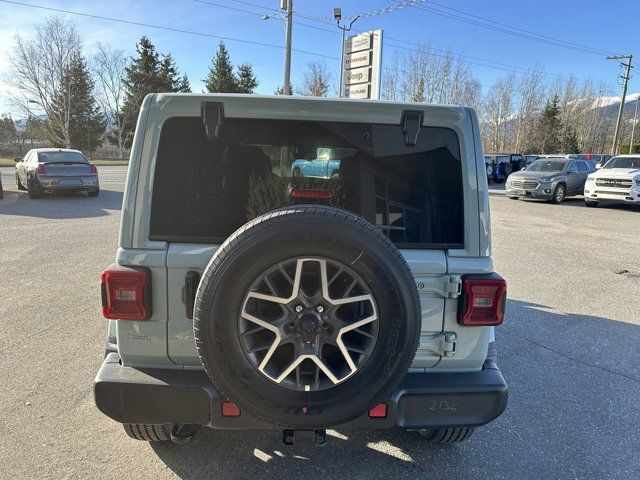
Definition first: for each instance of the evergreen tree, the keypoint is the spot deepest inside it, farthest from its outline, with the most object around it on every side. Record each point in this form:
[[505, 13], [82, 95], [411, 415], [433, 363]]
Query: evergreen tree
[[549, 128], [570, 141], [221, 78], [149, 73], [247, 81], [86, 122], [280, 90]]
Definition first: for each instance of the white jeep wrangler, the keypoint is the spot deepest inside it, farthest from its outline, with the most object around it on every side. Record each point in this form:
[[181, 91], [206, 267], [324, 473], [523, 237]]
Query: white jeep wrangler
[[246, 297]]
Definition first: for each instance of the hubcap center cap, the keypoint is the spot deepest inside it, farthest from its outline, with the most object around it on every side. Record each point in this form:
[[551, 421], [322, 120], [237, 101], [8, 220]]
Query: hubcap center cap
[[309, 323]]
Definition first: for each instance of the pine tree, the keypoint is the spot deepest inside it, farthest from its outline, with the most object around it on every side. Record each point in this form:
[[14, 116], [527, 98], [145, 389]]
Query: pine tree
[[247, 81], [149, 73], [570, 142], [86, 122], [549, 128], [280, 90], [221, 78]]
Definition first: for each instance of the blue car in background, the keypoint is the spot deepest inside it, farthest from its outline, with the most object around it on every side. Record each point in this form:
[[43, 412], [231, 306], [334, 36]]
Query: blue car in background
[[326, 163]]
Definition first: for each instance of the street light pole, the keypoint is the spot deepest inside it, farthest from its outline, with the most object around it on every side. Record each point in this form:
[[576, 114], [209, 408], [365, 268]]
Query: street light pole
[[625, 78], [286, 87]]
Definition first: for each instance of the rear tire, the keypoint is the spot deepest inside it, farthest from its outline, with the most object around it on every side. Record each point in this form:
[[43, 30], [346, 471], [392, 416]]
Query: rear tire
[[32, 189], [590, 203], [512, 198], [446, 436], [149, 433], [297, 172]]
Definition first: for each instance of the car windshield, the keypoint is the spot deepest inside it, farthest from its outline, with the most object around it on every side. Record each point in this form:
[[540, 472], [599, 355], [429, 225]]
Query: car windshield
[[61, 157], [623, 162], [547, 166]]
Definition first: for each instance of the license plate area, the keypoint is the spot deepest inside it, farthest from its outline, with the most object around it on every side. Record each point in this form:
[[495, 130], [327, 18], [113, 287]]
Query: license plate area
[[70, 181]]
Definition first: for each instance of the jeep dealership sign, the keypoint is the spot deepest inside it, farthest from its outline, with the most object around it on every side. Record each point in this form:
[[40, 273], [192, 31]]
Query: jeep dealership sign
[[361, 65]]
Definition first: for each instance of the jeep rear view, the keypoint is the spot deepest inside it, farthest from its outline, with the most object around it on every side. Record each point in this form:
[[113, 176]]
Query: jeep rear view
[[253, 291]]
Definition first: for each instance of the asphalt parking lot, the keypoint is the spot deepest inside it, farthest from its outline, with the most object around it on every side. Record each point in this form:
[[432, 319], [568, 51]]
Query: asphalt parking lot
[[569, 351]]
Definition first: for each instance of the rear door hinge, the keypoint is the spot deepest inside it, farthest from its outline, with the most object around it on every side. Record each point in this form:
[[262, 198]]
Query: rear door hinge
[[447, 286], [442, 344]]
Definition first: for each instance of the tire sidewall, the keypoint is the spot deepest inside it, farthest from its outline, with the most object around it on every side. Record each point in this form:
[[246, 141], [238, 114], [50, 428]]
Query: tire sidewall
[[219, 344]]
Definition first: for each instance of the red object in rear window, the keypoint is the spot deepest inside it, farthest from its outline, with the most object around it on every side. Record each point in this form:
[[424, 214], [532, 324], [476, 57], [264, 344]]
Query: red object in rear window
[[309, 193], [40, 169], [94, 169], [483, 301], [125, 293]]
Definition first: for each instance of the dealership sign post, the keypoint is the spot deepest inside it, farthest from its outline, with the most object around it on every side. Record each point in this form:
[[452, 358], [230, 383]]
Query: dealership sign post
[[362, 65]]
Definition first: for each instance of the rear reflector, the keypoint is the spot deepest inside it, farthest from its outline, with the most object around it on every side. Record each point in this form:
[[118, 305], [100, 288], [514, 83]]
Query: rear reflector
[[230, 409], [126, 293], [40, 169], [483, 300], [311, 193], [94, 169], [379, 411]]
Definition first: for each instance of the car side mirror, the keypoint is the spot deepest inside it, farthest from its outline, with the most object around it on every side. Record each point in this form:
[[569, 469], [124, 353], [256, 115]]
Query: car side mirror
[[16, 159]]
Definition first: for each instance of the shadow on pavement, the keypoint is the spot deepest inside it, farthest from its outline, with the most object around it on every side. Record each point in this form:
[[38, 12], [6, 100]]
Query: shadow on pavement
[[60, 205], [574, 381]]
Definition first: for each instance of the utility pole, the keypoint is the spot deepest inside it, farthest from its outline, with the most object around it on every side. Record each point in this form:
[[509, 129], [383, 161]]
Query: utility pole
[[288, 6], [625, 79]]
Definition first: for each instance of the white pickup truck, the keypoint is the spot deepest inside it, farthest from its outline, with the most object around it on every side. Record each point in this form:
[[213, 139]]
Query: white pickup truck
[[617, 181]]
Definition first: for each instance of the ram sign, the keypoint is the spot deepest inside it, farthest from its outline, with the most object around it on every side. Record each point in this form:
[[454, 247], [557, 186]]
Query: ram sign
[[361, 65]]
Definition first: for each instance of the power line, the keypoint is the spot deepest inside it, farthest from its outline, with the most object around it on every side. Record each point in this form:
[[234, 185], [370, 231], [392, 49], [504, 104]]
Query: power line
[[160, 27], [510, 30], [373, 13]]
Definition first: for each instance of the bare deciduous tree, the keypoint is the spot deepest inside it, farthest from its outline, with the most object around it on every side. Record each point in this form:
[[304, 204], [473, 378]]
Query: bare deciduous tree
[[108, 66], [316, 80], [39, 66]]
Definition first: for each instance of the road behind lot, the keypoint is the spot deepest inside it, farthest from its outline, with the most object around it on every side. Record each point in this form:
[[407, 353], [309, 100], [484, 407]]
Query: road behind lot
[[569, 351]]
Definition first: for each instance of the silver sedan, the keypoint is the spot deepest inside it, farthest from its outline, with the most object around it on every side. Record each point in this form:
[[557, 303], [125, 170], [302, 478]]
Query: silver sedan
[[46, 170]]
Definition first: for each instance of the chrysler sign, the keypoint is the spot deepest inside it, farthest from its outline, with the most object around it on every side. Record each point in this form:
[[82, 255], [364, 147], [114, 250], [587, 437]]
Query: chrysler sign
[[361, 65]]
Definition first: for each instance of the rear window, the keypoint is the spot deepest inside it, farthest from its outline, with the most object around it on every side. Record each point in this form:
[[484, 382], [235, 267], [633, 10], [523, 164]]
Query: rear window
[[204, 190], [61, 157]]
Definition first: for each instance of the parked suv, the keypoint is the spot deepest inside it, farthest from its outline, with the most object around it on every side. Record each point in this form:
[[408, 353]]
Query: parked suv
[[244, 297], [549, 178]]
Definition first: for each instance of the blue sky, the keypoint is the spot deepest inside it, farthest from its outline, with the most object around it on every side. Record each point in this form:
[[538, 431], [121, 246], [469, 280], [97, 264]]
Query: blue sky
[[589, 22]]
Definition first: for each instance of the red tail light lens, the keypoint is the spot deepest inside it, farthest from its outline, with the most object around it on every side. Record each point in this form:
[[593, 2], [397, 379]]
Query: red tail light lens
[[40, 169], [126, 293], [229, 409], [94, 169], [483, 300], [311, 193], [379, 411]]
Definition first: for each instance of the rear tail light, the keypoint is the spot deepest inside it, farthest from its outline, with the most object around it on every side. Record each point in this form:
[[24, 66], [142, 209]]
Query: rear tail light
[[229, 409], [311, 193], [126, 293], [94, 169], [379, 411], [483, 300], [40, 169]]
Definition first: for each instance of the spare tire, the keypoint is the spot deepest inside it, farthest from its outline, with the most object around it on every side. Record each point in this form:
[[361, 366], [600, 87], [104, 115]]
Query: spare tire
[[307, 316]]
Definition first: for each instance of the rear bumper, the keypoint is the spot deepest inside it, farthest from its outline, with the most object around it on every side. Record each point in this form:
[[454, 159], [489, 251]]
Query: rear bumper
[[423, 400], [50, 183]]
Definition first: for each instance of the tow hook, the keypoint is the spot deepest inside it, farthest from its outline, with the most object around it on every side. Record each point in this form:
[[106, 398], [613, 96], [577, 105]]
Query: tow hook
[[183, 433], [304, 439]]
